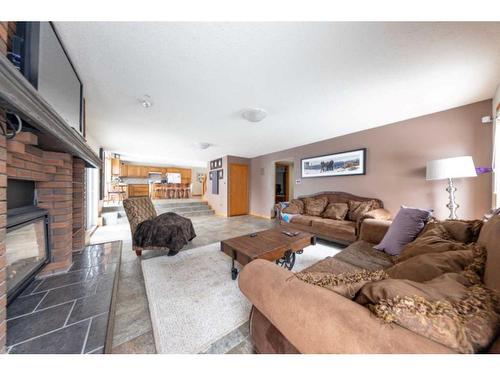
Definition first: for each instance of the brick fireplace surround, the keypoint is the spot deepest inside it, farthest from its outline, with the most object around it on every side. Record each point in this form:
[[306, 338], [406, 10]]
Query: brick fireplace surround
[[60, 186]]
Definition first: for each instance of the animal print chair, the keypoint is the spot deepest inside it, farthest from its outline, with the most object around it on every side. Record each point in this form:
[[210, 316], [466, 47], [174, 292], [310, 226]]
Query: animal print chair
[[138, 210]]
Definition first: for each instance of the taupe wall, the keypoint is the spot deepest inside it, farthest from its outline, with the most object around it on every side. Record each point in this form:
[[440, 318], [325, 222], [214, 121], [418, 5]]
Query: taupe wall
[[220, 202], [396, 158]]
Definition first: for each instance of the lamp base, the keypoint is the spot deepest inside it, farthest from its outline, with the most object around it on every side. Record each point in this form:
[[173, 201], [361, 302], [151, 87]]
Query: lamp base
[[452, 204]]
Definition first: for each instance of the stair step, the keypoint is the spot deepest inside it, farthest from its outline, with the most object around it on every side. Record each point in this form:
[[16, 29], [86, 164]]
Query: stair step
[[183, 209], [180, 204], [187, 209]]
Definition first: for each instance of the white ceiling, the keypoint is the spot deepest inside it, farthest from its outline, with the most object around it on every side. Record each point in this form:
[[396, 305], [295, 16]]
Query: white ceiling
[[316, 80]]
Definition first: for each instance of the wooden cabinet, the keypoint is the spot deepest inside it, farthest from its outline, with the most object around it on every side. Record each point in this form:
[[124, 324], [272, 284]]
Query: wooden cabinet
[[138, 190], [123, 169], [115, 167], [133, 171], [142, 171]]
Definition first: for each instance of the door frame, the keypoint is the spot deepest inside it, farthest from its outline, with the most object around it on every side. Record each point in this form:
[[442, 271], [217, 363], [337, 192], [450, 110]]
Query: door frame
[[288, 180]]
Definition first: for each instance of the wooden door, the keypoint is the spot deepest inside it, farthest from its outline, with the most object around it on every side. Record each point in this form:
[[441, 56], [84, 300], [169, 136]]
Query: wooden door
[[238, 189]]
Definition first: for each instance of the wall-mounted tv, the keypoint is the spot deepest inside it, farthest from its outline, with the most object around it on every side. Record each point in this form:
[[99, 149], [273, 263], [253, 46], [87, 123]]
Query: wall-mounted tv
[[46, 64]]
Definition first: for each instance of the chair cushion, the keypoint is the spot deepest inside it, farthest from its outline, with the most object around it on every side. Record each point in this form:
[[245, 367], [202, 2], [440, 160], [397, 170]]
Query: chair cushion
[[336, 211], [138, 210], [315, 206]]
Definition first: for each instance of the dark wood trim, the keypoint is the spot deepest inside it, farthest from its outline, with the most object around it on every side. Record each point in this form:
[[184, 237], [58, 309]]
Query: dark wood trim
[[18, 95]]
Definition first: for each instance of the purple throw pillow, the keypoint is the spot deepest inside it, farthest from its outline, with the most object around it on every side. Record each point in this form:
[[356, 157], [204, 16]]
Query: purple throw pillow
[[405, 227]]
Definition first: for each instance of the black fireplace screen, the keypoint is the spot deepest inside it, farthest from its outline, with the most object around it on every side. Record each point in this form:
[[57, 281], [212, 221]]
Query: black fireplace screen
[[27, 246]]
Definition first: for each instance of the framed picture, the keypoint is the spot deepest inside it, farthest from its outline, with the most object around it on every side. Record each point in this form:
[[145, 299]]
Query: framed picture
[[348, 163], [215, 164]]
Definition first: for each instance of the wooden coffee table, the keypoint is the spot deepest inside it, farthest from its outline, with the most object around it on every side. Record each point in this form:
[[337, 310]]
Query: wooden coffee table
[[271, 244]]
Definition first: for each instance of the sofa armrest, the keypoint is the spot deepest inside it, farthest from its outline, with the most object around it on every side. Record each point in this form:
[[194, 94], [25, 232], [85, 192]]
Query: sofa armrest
[[373, 231], [278, 209], [317, 320], [378, 214]]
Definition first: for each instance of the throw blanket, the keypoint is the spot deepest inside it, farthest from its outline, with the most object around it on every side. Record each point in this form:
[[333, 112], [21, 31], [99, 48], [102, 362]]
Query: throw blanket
[[166, 230]]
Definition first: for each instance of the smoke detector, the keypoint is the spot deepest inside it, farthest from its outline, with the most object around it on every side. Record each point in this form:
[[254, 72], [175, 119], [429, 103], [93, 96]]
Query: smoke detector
[[254, 114]]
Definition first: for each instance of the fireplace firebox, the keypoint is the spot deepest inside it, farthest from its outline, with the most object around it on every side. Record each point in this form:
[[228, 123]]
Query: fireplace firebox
[[27, 238]]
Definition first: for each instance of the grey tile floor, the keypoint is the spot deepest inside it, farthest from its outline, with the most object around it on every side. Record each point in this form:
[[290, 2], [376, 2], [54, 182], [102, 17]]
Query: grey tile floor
[[66, 313], [132, 329]]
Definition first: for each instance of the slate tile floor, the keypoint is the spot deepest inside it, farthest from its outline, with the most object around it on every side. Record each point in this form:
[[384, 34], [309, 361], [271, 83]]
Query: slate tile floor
[[132, 328], [67, 313]]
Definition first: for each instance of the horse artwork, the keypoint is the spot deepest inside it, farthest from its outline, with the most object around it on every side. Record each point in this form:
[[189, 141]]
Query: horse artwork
[[348, 163]]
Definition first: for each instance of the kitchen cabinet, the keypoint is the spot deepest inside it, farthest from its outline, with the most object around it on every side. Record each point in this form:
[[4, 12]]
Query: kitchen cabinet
[[133, 171], [142, 171], [138, 190], [115, 167], [123, 169]]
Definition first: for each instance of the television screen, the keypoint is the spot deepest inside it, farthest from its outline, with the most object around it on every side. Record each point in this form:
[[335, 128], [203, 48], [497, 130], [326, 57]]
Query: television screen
[[57, 80]]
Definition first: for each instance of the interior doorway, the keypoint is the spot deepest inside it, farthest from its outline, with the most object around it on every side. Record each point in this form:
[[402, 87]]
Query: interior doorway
[[283, 185]]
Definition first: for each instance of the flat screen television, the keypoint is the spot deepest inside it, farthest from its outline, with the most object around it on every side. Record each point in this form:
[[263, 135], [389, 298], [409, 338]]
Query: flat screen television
[[46, 64]]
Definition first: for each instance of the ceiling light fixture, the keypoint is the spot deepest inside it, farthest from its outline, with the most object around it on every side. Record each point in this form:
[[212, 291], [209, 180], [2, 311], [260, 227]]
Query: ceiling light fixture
[[146, 101], [254, 114]]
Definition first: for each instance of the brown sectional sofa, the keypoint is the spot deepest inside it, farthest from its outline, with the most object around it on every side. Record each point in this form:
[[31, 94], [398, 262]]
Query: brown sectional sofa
[[292, 316], [340, 231]]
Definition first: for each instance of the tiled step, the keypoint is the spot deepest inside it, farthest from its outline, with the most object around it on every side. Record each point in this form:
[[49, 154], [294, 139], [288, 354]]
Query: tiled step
[[187, 209]]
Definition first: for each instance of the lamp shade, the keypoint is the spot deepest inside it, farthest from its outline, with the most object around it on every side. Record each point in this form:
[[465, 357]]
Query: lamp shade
[[441, 169]]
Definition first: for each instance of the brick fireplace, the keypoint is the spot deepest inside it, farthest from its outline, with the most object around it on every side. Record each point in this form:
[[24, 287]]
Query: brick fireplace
[[59, 180]]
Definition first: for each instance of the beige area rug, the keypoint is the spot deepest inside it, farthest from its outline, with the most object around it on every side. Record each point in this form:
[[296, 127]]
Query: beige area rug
[[193, 301]]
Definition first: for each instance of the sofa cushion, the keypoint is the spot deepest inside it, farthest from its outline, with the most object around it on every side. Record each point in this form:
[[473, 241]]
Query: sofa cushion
[[445, 309], [296, 207], [332, 265], [489, 238], [341, 229], [407, 224], [346, 284], [315, 206], [336, 211], [435, 240], [303, 220], [357, 209], [463, 230], [362, 254], [426, 267]]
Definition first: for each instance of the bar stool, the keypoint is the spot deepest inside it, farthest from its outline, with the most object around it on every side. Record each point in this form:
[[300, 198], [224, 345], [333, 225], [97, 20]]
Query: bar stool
[[187, 191], [178, 191], [170, 191]]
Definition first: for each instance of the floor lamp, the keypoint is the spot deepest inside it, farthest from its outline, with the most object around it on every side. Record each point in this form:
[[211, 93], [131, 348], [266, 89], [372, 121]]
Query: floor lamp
[[448, 169]]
